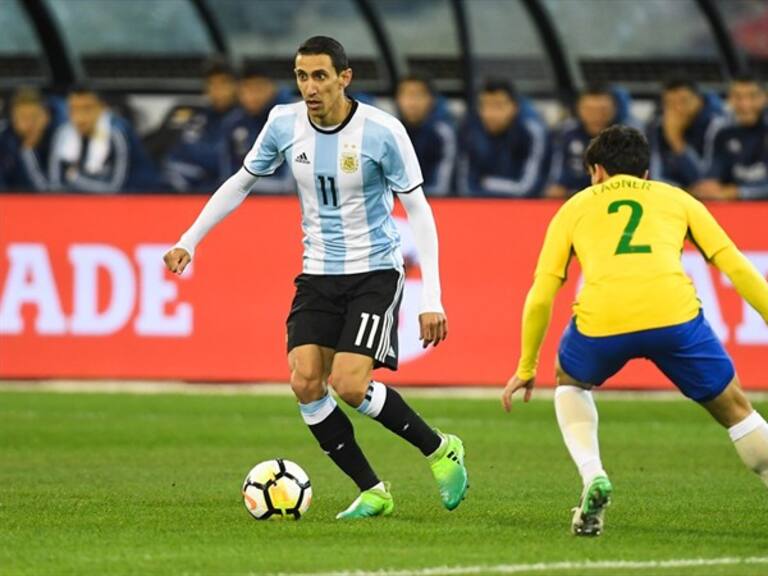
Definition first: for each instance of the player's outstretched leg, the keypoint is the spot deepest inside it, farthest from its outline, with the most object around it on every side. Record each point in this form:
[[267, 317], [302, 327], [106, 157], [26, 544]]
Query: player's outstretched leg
[[445, 452], [333, 430], [351, 379], [746, 427], [577, 418]]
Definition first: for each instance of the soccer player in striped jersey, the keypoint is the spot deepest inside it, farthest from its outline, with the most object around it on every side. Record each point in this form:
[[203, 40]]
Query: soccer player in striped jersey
[[348, 160], [637, 302]]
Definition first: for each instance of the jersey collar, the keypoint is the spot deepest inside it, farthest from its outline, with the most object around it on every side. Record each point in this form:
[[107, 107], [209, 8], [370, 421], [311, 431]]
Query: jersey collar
[[340, 126]]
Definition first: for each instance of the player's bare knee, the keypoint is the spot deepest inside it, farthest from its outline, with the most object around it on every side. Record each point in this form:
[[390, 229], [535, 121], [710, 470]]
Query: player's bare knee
[[307, 382], [349, 387]]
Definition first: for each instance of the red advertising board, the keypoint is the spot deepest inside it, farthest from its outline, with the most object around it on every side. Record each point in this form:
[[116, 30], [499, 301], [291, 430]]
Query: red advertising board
[[83, 292]]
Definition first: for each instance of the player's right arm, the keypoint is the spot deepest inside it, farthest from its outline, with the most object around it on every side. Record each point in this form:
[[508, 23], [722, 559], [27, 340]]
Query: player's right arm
[[263, 159], [228, 197], [718, 248], [550, 274]]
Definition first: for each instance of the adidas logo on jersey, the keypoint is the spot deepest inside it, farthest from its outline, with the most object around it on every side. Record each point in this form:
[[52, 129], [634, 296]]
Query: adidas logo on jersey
[[302, 158]]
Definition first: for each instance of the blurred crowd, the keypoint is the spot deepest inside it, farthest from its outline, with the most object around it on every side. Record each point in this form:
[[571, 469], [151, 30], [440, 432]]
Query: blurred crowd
[[713, 147]]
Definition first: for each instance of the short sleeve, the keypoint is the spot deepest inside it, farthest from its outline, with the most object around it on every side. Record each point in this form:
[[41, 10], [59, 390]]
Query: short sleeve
[[704, 230], [399, 162], [556, 251], [266, 156]]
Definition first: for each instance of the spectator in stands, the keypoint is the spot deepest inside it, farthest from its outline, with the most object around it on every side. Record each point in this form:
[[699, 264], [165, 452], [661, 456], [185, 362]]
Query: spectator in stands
[[194, 162], [431, 130], [25, 144], [682, 138], [595, 110], [97, 151], [505, 150], [257, 94], [739, 167]]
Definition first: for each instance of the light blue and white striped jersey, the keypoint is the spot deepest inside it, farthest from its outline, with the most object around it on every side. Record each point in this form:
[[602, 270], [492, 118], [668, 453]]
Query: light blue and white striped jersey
[[346, 179]]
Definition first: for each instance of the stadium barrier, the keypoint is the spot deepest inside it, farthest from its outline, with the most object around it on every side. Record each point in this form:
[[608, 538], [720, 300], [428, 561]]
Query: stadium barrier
[[84, 293]]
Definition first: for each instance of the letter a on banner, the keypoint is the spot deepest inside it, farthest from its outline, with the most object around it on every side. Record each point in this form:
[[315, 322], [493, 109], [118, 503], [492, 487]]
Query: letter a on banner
[[30, 281]]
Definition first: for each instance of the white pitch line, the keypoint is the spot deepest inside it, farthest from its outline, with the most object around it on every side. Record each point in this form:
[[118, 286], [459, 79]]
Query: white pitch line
[[545, 567]]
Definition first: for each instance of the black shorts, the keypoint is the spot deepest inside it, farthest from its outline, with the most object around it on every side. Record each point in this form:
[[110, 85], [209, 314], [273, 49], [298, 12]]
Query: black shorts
[[349, 313]]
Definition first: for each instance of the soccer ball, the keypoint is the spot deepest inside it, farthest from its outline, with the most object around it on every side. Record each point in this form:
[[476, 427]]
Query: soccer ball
[[277, 489]]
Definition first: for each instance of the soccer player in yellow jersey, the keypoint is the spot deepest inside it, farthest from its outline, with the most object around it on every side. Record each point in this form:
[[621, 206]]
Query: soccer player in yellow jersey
[[637, 302]]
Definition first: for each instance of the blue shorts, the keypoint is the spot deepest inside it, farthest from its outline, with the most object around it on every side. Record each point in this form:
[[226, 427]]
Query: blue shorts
[[689, 354]]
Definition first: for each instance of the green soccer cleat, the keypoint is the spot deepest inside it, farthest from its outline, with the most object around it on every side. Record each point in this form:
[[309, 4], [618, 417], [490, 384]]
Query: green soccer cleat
[[449, 471], [370, 503], [588, 515]]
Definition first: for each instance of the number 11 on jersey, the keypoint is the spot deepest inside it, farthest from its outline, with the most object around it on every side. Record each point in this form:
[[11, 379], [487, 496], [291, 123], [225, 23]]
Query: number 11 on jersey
[[375, 318], [330, 182]]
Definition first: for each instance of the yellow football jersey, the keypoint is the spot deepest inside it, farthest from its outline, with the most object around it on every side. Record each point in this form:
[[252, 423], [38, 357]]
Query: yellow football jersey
[[628, 235]]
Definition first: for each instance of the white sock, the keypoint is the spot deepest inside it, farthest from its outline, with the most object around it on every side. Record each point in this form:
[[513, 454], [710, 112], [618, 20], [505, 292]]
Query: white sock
[[375, 396], [577, 417], [750, 437]]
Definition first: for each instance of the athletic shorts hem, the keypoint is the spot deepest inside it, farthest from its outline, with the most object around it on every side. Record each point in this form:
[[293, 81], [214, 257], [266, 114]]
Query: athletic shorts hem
[[713, 394], [689, 354]]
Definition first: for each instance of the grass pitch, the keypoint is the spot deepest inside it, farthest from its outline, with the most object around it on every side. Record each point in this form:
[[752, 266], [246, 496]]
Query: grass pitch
[[127, 484]]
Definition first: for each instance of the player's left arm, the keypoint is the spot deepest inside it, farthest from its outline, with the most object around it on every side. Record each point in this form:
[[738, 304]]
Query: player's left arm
[[746, 279], [432, 321], [401, 169], [718, 248]]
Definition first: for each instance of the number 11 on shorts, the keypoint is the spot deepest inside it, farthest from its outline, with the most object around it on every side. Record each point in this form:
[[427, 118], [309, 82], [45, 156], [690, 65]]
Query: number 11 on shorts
[[363, 325]]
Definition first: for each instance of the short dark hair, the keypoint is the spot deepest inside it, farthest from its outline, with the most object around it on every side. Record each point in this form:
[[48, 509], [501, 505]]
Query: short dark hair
[[620, 150], [500, 85], [328, 46], [82, 88], [678, 82], [746, 78], [596, 89], [420, 78], [27, 95], [217, 65]]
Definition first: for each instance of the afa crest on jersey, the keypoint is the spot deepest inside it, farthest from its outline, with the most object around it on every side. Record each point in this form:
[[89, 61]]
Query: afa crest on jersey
[[349, 162]]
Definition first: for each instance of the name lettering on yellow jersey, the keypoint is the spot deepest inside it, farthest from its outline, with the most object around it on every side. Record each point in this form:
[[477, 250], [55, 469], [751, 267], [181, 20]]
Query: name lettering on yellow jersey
[[634, 184]]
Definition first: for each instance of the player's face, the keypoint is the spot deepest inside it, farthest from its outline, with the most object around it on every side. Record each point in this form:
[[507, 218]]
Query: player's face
[[497, 110], [255, 93], [747, 101], [84, 112], [29, 120], [682, 102], [596, 111], [321, 87], [414, 101], [221, 91]]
